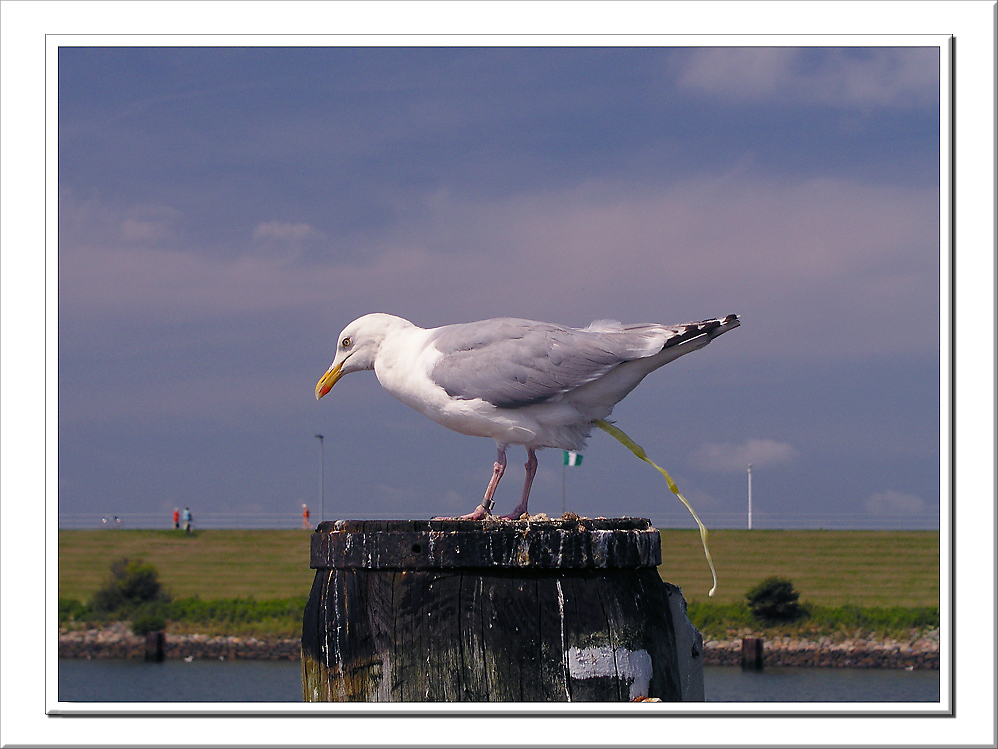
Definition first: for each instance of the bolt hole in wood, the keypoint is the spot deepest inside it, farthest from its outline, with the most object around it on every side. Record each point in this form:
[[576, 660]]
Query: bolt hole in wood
[[495, 611]]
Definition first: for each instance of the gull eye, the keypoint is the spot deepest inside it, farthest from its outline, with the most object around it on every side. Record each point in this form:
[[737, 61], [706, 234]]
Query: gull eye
[[345, 343]]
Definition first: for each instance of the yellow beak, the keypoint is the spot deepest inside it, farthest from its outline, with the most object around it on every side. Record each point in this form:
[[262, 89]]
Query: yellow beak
[[328, 380]]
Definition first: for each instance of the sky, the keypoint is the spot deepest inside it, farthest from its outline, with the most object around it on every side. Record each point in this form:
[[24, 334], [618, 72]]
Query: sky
[[225, 212]]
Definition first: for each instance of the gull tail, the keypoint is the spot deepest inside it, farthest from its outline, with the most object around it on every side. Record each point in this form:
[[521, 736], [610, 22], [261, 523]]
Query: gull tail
[[711, 329]]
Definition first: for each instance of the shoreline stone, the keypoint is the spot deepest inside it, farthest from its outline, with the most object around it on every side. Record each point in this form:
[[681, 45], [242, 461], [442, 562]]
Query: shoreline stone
[[117, 641], [920, 653]]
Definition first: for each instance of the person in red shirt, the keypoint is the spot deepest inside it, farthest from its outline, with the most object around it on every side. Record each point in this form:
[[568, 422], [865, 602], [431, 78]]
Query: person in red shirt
[[176, 519], [304, 517]]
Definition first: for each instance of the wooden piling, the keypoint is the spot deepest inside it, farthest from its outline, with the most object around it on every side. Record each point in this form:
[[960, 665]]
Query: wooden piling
[[462, 610], [752, 653], [155, 646]]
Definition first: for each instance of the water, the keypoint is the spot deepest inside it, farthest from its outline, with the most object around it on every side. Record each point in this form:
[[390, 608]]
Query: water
[[102, 680], [728, 684], [133, 680]]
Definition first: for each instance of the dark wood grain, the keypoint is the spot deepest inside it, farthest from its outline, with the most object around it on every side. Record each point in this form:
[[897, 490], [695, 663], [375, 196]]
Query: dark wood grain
[[583, 543], [417, 611]]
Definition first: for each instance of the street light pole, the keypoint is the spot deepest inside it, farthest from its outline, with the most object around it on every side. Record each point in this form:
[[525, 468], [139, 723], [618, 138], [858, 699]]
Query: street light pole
[[322, 479], [750, 496]]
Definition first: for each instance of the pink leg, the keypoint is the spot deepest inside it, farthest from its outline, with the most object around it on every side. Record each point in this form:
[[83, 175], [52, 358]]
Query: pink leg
[[485, 508], [531, 469]]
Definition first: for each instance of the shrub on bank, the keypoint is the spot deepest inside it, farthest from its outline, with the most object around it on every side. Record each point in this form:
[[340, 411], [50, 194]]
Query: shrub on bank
[[719, 617], [147, 621], [892, 619], [239, 616], [132, 584], [775, 601], [235, 610], [724, 620], [71, 610]]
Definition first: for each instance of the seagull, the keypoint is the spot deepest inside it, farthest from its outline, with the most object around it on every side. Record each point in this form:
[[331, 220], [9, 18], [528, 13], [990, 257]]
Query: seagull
[[520, 382]]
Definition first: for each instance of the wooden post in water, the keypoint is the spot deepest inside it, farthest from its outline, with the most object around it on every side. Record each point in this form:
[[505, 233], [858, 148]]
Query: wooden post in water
[[154, 646], [752, 653], [478, 611]]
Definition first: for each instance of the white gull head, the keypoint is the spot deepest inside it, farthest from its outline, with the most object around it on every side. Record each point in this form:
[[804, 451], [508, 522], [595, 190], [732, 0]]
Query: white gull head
[[357, 347]]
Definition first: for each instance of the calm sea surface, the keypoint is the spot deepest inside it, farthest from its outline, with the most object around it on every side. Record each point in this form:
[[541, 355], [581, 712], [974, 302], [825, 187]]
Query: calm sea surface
[[280, 681]]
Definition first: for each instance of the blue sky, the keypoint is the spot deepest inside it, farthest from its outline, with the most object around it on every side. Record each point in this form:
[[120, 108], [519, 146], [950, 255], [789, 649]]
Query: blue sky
[[225, 212]]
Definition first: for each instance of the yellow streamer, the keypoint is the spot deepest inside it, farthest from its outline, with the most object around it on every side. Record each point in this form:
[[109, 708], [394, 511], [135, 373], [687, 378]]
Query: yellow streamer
[[639, 451]]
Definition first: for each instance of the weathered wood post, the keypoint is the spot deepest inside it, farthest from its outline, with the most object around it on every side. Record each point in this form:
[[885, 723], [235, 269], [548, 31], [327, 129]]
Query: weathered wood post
[[463, 610], [154, 646], [752, 653]]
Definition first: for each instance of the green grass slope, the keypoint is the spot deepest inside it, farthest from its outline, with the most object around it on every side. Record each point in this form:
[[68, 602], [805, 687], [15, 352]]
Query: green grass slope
[[263, 564], [829, 568]]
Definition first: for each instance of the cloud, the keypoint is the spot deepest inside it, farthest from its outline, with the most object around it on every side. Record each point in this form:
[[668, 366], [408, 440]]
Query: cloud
[[851, 260], [89, 221], [892, 502], [840, 77], [285, 232], [731, 457], [818, 267], [143, 232]]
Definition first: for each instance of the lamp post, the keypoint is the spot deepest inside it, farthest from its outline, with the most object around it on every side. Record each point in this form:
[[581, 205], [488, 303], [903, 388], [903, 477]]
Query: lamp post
[[750, 496], [322, 479]]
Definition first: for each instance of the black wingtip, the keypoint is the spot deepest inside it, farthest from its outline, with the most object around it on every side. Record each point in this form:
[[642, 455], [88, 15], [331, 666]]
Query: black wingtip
[[716, 327]]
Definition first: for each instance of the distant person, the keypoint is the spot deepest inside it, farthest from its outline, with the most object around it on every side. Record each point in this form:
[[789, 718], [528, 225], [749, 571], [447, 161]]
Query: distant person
[[176, 519], [304, 517], [188, 519]]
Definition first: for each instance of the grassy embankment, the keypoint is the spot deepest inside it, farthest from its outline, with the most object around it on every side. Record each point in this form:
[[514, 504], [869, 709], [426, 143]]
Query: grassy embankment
[[251, 583], [256, 582], [875, 582]]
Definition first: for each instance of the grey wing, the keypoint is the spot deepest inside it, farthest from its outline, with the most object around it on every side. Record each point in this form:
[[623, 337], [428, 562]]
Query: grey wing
[[514, 363]]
